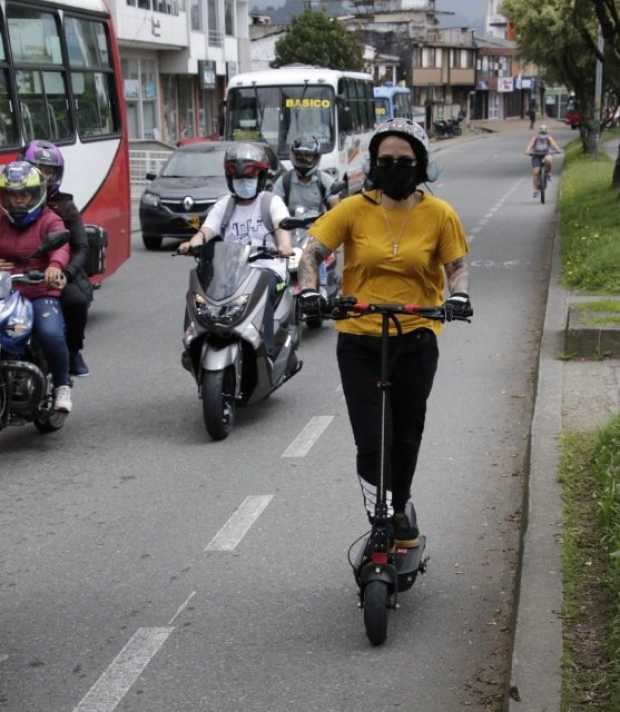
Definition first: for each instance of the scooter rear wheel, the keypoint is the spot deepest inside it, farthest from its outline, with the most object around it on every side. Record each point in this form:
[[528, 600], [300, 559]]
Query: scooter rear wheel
[[218, 404], [376, 597]]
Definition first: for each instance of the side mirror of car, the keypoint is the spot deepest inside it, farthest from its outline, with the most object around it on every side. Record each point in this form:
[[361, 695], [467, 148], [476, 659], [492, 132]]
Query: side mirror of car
[[151, 176]]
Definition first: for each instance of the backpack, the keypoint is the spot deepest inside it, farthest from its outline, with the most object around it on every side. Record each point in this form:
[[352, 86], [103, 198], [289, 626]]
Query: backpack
[[265, 211], [287, 180]]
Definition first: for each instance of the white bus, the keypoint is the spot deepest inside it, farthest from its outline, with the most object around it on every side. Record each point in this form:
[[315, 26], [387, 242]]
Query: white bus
[[280, 105]]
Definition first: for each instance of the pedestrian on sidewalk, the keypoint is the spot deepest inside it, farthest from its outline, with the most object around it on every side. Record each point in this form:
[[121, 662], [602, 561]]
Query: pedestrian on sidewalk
[[532, 116]]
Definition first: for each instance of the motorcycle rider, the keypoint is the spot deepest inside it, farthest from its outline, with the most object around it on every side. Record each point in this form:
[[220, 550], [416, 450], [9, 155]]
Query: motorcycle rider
[[398, 243], [25, 220], [305, 185], [77, 295], [249, 216], [539, 148]]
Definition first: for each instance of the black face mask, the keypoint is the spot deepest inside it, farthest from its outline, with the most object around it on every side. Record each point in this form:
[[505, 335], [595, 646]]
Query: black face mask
[[397, 182]]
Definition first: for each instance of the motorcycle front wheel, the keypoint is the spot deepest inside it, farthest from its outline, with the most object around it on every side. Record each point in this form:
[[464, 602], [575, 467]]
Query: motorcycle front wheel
[[218, 402]]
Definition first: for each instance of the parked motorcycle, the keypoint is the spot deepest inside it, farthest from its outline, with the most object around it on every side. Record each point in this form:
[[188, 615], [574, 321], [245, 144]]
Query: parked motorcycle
[[26, 388], [224, 347], [328, 275]]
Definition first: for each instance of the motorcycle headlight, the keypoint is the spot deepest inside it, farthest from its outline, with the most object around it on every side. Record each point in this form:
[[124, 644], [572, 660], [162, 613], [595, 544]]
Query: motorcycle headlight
[[150, 199], [232, 312]]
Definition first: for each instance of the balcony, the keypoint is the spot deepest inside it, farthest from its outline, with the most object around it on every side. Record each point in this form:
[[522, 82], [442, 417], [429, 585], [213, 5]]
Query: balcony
[[462, 77], [423, 77]]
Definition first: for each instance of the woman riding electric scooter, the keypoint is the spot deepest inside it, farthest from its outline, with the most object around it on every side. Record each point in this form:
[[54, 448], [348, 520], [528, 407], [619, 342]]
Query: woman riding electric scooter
[[400, 246]]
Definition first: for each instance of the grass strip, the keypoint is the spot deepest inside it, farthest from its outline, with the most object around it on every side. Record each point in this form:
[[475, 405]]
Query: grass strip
[[589, 218], [606, 466], [590, 476]]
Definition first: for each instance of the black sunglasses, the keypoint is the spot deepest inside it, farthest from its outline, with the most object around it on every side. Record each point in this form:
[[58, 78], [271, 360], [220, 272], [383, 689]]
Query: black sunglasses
[[396, 161]]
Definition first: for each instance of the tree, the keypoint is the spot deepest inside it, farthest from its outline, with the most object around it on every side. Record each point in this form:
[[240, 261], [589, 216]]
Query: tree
[[317, 39]]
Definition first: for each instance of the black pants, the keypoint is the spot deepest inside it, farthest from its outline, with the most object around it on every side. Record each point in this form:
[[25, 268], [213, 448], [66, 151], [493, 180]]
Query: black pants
[[359, 359], [75, 300]]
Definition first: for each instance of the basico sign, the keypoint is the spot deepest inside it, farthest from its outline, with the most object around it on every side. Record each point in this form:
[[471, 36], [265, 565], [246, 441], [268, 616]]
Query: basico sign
[[307, 103]]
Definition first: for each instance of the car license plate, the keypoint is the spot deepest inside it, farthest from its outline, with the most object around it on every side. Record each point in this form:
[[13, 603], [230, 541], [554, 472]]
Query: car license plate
[[195, 221]]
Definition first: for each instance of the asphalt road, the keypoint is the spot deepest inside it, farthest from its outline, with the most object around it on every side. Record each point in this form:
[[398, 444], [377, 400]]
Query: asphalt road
[[113, 594]]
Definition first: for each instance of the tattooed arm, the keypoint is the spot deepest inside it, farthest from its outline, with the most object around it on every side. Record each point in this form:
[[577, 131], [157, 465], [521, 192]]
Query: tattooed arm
[[308, 274], [458, 276]]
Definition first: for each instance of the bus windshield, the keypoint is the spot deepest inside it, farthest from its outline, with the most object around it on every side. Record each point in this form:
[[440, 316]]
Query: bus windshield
[[279, 115]]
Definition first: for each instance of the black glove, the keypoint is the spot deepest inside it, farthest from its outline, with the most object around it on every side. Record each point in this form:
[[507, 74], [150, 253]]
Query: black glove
[[458, 306], [311, 302]]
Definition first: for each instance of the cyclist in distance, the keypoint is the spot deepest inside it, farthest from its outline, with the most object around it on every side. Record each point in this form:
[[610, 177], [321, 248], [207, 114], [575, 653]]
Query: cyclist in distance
[[247, 216], [77, 294], [540, 147], [400, 246]]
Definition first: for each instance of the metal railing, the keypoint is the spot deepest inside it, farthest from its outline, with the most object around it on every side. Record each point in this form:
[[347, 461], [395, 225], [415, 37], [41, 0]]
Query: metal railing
[[216, 38], [143, 161]]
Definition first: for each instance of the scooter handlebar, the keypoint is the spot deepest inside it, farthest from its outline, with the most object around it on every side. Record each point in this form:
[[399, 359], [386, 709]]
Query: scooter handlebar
[[346, 307]]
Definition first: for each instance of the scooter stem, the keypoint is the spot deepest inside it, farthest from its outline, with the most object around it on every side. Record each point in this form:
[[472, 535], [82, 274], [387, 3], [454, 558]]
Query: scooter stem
[[381, 510]]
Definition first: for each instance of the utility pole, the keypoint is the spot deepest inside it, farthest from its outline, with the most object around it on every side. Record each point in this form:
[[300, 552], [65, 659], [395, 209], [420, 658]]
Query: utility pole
[[598, 94]]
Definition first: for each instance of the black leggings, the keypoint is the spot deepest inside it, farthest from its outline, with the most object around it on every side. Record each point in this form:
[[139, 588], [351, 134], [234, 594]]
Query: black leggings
[[359, 359]]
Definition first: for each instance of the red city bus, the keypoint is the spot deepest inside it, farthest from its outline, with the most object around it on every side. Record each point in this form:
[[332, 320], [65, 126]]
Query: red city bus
[[61, 80]]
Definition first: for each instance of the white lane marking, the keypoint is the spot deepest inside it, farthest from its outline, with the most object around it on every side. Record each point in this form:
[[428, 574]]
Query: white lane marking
[[491, 212], [239, 523], [182, 607], [308, 436], [124, 670]]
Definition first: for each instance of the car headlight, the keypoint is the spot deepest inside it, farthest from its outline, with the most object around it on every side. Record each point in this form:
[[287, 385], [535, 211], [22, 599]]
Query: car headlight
[[150, 199]]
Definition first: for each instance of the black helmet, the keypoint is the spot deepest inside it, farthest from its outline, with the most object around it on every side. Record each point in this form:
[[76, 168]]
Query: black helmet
[[410, 131], [305, 155], [246, 161]]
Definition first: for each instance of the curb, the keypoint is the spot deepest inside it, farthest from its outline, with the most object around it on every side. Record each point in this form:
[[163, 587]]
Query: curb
[[536, 674]]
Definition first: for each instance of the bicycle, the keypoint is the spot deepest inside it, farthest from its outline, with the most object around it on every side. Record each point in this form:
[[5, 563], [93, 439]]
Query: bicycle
[[383, 571]]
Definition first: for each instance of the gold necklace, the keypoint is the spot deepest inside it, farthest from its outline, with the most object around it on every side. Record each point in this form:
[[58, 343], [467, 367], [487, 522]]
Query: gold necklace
[[396, 241]]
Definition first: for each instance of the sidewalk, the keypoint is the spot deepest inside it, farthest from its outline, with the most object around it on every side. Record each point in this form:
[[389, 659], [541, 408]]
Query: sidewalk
[[572, 395]]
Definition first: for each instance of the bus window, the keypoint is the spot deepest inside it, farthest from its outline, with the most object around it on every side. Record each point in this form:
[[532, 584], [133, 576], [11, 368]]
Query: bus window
[[33, 35], [93, 87], [93, 93], [87, 43], [280, 114], [43, 100], [402, 106], [8, 129], [382, 108]]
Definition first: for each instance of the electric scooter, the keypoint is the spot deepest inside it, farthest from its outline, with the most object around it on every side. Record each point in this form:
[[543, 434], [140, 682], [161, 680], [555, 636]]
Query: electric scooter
[[382, 571]]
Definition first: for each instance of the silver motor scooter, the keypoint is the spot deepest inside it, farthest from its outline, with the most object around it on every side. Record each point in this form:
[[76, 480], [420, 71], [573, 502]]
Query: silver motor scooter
[[224, 341]]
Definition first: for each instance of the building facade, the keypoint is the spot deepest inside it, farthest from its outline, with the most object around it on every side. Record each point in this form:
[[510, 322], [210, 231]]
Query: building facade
[[177, 56]]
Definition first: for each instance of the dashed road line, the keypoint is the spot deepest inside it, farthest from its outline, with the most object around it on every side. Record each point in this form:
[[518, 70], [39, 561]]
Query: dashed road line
[[182, 607], [124, 670], [308, 436], [492, 210], [239, 523]]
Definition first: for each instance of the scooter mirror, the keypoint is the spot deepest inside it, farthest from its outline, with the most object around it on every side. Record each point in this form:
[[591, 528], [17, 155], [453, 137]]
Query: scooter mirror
[[338, 187], [295, 223]]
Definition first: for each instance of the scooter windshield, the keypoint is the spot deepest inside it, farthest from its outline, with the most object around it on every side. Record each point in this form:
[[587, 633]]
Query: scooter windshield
[[5, 285], [230, 269]]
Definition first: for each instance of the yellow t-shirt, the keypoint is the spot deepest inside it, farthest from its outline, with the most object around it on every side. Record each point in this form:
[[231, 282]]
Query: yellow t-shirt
[[377, 272]]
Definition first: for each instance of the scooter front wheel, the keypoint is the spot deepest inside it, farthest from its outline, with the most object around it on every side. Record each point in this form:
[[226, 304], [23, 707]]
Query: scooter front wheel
[[376, 597], [218, 402]]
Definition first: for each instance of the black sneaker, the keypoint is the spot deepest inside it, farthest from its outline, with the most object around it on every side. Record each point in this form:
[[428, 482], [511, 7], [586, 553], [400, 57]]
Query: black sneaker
[[405, 534], [77, 365]]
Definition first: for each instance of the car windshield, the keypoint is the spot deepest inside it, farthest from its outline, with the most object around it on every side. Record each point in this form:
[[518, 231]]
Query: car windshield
[[230, 269], [194, 164], [279, 115]]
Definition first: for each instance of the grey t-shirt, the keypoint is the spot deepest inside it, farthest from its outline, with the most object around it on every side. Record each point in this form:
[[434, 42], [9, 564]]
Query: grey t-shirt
[[306, 195]]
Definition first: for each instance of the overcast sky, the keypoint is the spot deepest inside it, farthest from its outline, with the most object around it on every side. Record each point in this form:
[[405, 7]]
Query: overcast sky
[[468, 12]]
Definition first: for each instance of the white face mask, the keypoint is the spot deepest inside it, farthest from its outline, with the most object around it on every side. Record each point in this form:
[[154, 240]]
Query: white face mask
[[245, 188]]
